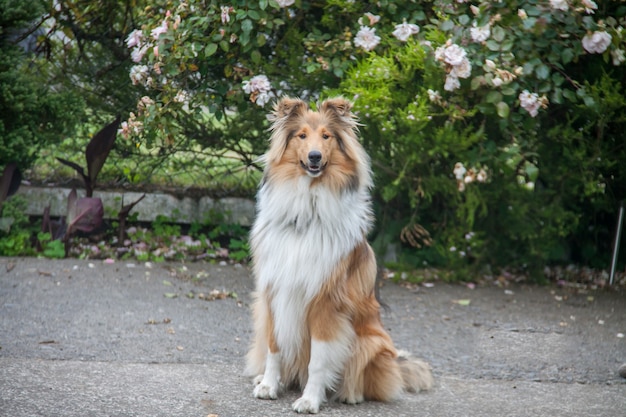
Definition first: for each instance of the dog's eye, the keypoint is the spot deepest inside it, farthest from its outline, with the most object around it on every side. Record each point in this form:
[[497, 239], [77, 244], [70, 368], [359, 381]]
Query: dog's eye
[[326, 136], [302, 135]]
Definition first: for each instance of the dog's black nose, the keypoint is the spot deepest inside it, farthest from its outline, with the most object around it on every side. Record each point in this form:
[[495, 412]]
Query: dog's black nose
[[315, 157]]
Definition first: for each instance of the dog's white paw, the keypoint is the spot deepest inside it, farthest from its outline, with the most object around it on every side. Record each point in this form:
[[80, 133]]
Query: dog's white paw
[[266, 391], [306, 406]]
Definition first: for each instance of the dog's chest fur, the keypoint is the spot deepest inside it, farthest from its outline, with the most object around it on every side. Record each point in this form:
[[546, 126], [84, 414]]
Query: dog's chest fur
[[300, 235]]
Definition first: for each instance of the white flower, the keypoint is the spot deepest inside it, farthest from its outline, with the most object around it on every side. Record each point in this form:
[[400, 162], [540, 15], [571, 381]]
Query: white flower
[[522, 14], [285, 3], [130, 127], [463, 70], [124, 130], [260, 89], [225, 14], [139, 74], [530, 102], [263, 98], [159, 30], [481, 176], [452, 82], [480, 34], [453, 54], [497, 81], [618, 56], [144, 102], [134, 38], [459, 170], [366, 38], [182, 97], [559, 5], [589, 6], [596, 42], [257, 84], [475, 10], [405, 30], [434, 96]]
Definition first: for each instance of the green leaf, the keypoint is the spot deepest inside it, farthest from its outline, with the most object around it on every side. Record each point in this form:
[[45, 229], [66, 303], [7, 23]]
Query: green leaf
[[447, 25], [464, 19], [210, 49], [253, 14], [493, 97], [263, 4], [256, 56], [570, 95], [531, 171], [498, 34], [493, 45], [530, 22], [477, 82], [247, 26], [503, 109], [542, 71]]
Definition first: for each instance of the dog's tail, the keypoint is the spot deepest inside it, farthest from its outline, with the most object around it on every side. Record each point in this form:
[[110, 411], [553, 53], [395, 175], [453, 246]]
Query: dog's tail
[[416, 374]]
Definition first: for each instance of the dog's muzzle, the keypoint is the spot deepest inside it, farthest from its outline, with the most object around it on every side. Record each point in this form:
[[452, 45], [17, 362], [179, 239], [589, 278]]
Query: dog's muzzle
[[314, 166]]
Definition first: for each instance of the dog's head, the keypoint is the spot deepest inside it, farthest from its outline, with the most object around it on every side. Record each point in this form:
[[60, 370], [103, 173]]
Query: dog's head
[[315, 142]]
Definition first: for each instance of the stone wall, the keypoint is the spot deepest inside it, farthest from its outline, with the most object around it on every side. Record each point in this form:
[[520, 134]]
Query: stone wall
[[184, 210]]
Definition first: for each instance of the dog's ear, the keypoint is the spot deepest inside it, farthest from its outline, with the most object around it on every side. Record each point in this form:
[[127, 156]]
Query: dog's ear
[[288, 106], [339, 105]]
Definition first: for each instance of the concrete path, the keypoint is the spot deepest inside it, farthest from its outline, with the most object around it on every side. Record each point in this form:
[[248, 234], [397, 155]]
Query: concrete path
[[85, 338]]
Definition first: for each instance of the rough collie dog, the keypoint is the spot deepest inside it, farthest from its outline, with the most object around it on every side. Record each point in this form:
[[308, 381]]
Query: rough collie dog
[[317, 321]]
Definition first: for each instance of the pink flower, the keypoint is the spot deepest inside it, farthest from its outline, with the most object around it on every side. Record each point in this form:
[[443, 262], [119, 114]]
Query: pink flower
[[225, 14], [559, 5], [530, 102], [138, 53], [134, 38], [590, 6], [159, 30], [373, 19]]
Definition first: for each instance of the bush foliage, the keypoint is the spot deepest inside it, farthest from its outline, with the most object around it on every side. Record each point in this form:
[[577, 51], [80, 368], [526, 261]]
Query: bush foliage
[[32, 113], [494, 127]]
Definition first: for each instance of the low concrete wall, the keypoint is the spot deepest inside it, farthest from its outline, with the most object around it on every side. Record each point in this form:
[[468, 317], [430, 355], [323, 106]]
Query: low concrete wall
[[182, 210]]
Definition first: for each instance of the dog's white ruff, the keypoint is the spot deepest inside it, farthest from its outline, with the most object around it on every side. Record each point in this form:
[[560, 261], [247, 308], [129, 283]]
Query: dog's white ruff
[[300, 235]]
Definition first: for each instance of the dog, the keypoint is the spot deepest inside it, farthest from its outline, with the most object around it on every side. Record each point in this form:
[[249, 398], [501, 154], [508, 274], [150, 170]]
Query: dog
[[316, 318]]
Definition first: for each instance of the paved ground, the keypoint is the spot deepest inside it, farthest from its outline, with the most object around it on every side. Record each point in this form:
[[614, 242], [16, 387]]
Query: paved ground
[[85, 338]]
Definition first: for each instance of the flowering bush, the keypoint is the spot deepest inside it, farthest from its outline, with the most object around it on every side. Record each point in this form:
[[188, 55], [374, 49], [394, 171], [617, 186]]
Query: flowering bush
[[487, 156], [499, 120]]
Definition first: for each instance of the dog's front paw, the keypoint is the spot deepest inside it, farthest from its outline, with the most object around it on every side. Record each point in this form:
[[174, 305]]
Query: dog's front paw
[[266, 391], [351, 399], [306, 406]]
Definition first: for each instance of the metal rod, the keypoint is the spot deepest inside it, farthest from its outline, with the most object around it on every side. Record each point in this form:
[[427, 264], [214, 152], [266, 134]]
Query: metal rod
[[618, 235]]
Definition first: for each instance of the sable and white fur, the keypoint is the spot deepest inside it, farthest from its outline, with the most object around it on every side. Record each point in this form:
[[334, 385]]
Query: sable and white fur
[[317, 321]]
